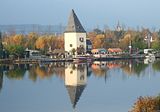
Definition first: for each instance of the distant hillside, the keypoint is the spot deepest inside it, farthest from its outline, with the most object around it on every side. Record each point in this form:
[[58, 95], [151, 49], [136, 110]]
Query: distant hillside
[[27, 28]]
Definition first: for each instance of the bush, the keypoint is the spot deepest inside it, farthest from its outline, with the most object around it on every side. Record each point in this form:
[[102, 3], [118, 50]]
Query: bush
[[147, 104]]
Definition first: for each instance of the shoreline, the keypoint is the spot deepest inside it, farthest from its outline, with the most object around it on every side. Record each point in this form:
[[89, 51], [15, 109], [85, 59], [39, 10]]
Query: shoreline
[[11, 61]]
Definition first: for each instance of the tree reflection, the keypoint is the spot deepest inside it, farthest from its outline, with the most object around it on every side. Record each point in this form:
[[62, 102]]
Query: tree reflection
[[132, 67], [16, 72], [59, 69], [156, 65], [41, 71], [1, 77], [32, 73]]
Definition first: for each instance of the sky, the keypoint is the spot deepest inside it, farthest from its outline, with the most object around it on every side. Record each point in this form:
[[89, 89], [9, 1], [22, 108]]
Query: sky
[[92, 13]]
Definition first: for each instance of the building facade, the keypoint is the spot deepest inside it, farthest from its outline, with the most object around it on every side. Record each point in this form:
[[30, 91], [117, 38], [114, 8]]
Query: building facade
[[74, 36]]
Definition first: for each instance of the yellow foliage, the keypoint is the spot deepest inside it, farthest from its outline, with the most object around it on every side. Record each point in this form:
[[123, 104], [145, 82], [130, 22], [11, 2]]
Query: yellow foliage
[[146, 104], [41, 43], [18, 39]]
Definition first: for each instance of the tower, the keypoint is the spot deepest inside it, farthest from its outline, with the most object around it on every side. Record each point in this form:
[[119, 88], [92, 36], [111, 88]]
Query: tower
[[118, 28], [74, 35]]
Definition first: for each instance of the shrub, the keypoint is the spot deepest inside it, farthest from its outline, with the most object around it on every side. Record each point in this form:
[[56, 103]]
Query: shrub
[[147, 104]]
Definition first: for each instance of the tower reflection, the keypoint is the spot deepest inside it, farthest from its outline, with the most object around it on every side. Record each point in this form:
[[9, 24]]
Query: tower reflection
[[75, 81]]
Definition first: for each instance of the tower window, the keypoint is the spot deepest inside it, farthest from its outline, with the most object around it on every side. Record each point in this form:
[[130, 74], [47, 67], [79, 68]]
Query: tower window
[[71, 45], [81, 39]]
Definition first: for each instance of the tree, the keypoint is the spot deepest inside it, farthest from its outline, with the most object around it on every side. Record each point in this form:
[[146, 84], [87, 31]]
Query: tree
[[18, 39], [1, 47], [16, 50], [156, 45], [124, 43], [41, 43], [146, 104], [98, 41], [138, 42], [73, 51], [31, 40], [156, 65], [97, 31]]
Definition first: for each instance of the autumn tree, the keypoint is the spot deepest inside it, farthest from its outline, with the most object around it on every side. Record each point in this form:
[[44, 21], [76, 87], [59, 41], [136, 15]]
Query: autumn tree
[[19, 39], [31, 40], [125, 42], [98, 41], [41, 44], [146, 104]]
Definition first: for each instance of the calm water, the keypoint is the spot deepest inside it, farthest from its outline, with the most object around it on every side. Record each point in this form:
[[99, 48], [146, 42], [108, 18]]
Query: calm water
[[111, 86]]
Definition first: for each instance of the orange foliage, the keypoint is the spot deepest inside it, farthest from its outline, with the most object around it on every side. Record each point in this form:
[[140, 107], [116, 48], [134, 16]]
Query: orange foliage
[[41, 43], [146, 104]]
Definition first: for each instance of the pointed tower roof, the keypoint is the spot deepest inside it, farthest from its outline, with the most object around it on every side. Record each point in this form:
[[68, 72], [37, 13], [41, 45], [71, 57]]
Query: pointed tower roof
[[75, 93], [74, 24]]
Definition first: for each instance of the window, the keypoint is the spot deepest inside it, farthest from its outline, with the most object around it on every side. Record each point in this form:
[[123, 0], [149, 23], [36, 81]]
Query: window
[[82, 77], [71, 72], [81, 39], [71, 45]]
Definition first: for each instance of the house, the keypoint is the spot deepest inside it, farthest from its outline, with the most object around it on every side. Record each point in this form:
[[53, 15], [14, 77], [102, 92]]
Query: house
[[74, 36], [115, 51], [99, 53]]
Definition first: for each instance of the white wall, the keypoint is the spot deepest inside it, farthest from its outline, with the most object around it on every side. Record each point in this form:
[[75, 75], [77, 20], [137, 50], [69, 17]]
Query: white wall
[[73, 38]]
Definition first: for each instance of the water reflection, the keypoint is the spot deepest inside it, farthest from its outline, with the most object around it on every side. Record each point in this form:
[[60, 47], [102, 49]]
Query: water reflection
[[75, 75], [156, 65], [64, 70], [129, 67], [75, 81], [1, 80]]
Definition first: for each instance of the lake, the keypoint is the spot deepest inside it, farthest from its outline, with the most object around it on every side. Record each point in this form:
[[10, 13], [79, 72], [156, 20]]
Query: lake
[[108, 86]]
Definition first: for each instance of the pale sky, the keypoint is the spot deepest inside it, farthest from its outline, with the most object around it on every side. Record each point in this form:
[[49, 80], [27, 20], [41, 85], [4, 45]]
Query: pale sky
[[92, 13]]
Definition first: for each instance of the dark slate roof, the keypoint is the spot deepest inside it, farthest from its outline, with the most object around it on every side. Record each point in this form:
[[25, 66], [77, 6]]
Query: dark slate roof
[[75, 93], [74, 24]]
